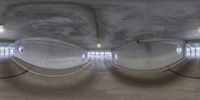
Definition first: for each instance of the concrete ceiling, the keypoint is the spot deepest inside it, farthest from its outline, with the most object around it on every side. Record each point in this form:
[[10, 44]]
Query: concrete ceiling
[[119, 22]]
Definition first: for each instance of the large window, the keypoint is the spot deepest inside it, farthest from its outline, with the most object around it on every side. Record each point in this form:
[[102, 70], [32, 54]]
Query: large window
[[6, 50], [193, 51], [99, 55]]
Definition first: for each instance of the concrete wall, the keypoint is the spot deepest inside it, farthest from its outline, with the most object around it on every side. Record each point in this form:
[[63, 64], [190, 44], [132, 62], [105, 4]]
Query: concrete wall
[[49, 54], [147, 56]]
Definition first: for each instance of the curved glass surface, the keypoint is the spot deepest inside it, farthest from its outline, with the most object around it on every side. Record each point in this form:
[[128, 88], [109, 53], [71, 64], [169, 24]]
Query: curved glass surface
[[149, 55], [46, 56]]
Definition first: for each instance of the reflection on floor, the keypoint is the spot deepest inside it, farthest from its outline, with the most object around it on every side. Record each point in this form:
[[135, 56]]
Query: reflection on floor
[[98, 82]]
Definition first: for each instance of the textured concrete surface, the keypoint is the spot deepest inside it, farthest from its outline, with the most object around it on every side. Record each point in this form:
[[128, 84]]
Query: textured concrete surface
[[98, 82], [50, 53], [148, 56], [119, 21]]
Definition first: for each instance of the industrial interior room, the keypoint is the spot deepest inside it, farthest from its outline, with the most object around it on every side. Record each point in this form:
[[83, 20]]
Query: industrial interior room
[[99, 49]]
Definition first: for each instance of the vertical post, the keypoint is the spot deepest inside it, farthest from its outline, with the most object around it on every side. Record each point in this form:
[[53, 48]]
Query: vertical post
[[184, 49]]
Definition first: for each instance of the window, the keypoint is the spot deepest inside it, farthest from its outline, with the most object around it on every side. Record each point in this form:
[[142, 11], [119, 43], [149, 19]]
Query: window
[[6, 51], [99, 55], [192, 51]]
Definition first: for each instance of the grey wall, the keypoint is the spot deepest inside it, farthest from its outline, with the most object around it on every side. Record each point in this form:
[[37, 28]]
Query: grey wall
[[48, 53], [147, 56]]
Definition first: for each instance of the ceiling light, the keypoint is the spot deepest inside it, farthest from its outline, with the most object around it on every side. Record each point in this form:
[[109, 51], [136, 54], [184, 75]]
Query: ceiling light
[[98, 45], [2, 29], [198, 30]]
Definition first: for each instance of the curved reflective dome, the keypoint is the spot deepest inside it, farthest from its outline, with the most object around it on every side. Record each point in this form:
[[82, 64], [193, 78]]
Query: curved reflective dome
[[48, 56], [149, 55]]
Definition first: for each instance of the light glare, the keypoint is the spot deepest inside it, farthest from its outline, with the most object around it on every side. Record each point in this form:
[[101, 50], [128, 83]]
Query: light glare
[[98, 45], [2, 29]]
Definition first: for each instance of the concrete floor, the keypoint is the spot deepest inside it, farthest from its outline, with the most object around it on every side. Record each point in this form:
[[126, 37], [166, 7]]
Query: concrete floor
[[98, 82]]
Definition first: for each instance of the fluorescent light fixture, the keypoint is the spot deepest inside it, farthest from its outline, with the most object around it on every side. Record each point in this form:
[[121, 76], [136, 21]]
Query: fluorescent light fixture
[[198, 30], [2, 29], [98, 45], [83, 56], [178, 50], [116, 57]]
